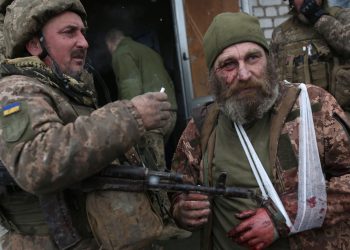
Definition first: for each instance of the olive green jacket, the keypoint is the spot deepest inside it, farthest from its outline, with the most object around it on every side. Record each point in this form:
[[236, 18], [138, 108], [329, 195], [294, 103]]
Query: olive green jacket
[[139, 69]]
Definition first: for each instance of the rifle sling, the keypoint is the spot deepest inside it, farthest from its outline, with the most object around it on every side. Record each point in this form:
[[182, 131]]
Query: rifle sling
[[59, 220], [279, 115]]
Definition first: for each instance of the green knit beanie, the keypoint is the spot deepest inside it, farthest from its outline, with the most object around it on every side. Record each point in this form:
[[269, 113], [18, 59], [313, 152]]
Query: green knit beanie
[[228, 29]]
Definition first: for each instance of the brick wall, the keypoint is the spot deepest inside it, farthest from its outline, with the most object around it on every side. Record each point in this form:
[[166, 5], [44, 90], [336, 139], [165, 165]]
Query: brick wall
[[271, 13]]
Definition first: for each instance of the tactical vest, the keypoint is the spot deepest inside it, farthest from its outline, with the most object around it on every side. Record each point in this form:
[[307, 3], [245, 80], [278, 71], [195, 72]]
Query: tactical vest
[[61, 215], [48, 213], [304, 56]]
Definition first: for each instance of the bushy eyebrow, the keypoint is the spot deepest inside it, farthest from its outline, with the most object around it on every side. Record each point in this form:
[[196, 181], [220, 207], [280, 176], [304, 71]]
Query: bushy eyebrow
[[249, 52], [74, 27], [253, 51]]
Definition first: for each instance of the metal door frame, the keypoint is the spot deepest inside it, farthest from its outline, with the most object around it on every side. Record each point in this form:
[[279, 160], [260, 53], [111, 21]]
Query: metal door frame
[[184, 61]]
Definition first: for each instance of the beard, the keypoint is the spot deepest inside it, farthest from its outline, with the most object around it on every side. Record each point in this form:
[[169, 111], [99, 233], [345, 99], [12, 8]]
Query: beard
[[247, 107], [77, 72]]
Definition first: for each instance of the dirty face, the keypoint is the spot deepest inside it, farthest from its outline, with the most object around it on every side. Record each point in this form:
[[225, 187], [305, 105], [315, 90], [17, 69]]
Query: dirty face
[[240, 83], [65, 42]]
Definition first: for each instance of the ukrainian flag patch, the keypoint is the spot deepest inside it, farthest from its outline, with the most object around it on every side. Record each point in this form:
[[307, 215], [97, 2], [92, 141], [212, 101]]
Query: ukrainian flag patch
[[11, 109]]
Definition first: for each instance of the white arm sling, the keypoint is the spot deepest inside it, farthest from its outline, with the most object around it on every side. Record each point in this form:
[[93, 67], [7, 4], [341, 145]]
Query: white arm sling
[[312, 196]]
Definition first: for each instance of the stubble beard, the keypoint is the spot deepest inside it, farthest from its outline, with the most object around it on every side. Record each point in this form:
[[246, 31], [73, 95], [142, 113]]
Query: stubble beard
[[76, 71], [76, 74], [247, 108]]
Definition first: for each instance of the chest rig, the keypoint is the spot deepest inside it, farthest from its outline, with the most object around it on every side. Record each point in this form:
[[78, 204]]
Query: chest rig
[[305, 57]]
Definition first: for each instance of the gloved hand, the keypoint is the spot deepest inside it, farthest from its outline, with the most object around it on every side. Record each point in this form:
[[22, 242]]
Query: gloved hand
[[191, 210], [312, 11], [153, 108], [256, 231]]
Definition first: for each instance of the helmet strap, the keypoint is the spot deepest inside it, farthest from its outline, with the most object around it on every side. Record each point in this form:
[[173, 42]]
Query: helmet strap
[[55, 68], [44, 52]]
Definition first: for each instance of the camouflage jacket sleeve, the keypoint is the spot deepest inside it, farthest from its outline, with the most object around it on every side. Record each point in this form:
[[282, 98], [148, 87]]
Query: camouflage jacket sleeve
[[336, 31], [333, 138], [277, 37], [45, 153], [188, 154]]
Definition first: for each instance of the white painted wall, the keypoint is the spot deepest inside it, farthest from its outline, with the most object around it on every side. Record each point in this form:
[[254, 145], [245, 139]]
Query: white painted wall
[[271, 13]]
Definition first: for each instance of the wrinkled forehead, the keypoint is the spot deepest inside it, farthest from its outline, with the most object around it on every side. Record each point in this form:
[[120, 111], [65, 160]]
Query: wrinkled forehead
[[65, 19], [239, 51]]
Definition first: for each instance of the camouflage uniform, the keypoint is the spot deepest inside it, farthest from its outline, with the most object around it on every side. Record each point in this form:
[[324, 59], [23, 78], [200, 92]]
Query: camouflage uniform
[[139, 69], [3, 4], [54, 140], [316, 54], [2, 47], [53, 135], [333, 138]]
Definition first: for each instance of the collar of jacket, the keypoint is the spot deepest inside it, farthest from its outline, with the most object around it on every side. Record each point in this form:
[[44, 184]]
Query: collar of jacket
[[32, 66]]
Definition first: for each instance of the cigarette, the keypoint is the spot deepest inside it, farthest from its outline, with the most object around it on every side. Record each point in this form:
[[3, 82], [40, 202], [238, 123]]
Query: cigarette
[[162, 90]]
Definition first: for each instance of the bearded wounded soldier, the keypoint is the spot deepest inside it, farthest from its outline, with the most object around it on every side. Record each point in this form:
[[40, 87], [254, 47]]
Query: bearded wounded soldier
[[256, 132], [53, 133]]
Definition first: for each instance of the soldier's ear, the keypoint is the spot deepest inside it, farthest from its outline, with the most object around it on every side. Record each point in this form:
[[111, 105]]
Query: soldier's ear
[[33, 46]]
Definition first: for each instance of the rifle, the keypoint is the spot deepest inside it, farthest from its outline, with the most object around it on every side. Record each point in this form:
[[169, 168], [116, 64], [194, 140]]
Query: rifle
[[140, 179], [121, 178]]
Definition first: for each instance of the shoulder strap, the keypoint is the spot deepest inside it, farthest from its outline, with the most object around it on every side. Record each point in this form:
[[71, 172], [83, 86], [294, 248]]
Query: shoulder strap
[[199, 114], [205, 117], [280, 112], [208, 124]]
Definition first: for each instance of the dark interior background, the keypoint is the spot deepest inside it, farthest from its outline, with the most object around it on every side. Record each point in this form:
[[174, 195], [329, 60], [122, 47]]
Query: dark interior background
[[147, 21]]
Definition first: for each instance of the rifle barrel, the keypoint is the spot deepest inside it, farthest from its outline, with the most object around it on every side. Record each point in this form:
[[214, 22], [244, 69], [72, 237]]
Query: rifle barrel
[[226, 192], [132, 185], [139, 173]]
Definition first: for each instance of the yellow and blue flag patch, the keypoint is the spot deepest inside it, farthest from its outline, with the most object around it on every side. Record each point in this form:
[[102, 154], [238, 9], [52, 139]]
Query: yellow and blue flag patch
[[11, 108]]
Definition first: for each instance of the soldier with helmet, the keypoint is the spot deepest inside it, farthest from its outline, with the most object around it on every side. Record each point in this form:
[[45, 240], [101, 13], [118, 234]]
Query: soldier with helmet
[[313, 47], [54, 132]]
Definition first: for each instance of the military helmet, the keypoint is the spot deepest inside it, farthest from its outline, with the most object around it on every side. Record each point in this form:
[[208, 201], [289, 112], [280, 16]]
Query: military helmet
[[25, 18]]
